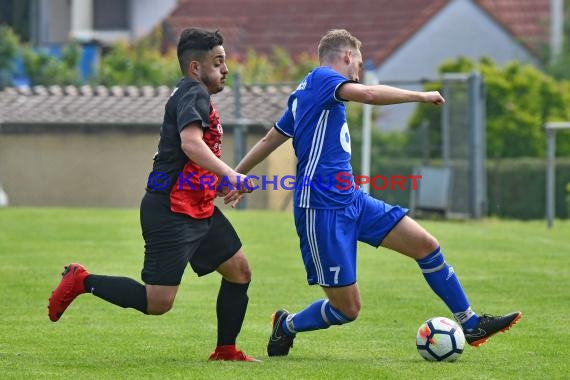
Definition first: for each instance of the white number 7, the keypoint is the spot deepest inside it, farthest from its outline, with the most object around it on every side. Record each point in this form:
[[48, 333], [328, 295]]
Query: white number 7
[[336, 271]]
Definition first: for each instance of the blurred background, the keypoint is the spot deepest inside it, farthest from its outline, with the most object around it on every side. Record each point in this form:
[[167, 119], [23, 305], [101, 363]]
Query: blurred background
[[83, 85]]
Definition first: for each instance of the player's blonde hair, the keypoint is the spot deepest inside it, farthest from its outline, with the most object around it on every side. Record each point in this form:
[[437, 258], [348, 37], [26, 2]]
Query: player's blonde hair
[[336, 40]]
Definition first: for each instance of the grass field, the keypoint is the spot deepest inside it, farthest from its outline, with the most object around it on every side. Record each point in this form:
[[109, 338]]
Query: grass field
[[504, 266]]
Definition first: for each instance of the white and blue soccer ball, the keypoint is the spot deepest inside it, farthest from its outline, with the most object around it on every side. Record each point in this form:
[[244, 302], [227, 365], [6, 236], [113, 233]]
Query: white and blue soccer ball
[[440, 339]]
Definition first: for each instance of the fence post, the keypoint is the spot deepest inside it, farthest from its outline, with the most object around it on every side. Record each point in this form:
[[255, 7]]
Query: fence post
[[478, 154], [550, 181], [369, 79], [445, 128], [551, 129], [239, 133]]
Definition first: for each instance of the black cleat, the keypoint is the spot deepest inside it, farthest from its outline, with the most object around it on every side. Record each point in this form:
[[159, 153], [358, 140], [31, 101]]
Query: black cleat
[[489, 325], [279, 343]]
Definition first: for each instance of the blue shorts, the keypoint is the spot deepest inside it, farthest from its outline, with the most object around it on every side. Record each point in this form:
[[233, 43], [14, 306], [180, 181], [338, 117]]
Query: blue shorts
[[328, 237]]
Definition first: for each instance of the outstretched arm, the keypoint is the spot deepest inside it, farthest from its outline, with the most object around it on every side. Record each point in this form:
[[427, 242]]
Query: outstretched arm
[[263, 148], [384, 95]]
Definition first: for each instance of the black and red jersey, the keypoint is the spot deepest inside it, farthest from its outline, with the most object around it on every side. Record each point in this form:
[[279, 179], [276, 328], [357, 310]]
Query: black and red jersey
[[191, 188]]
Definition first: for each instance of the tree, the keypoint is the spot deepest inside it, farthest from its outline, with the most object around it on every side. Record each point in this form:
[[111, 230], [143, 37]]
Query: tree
[[9, 43], [520, 100], [278, 67], [45, 69], [138, 64], [42, 68], [135, 65]]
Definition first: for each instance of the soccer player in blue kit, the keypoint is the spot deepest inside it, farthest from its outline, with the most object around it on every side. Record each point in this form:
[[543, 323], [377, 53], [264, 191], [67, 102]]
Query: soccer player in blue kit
[[331, 219]]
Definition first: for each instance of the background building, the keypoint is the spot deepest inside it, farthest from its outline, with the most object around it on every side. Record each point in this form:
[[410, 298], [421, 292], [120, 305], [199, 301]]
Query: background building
[[404, 41]]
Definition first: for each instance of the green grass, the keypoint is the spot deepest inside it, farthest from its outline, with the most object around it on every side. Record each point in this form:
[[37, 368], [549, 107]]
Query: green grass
[[504, 266]]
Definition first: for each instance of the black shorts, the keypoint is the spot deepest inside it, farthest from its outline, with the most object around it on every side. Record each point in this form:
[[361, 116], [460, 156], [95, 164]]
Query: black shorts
[[173, 240]]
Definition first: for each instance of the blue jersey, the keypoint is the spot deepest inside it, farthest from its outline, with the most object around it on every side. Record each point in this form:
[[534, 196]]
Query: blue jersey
[[316, 120]]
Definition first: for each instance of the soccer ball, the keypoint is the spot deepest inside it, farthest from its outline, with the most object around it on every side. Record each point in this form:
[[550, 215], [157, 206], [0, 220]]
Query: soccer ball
[[440, 339]]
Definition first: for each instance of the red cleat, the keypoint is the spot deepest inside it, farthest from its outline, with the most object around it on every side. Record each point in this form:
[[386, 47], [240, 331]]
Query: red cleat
[[70, 286], [230, 353]]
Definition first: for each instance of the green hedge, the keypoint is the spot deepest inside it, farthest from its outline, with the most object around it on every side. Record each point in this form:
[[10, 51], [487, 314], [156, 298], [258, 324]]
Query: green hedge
[[516, 188], [389, 167]]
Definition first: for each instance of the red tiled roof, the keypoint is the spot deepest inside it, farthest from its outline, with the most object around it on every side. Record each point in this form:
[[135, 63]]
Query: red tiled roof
[[526, 20], [127, 106], [298, 26], [382, 25]]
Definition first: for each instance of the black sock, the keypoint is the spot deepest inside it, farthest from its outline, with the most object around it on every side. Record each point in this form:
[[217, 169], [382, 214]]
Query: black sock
[[230, 309], [121, 291]]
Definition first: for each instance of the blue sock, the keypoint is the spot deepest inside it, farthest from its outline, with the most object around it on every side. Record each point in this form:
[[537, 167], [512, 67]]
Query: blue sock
[[443, 281], [318, 315]]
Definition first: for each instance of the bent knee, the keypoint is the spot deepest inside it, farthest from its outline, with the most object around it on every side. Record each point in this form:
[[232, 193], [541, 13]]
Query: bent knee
[[244, 274], [428, 244], [160, 306], [431, 243], [236, 269], [351, 311]]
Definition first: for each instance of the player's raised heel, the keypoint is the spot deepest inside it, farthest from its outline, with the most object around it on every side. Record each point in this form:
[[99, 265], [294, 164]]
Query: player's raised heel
[[489, 325], [279, 342], [70, 286]]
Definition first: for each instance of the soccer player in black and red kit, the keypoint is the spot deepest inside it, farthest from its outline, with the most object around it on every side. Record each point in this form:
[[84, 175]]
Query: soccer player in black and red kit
[[179, 221]]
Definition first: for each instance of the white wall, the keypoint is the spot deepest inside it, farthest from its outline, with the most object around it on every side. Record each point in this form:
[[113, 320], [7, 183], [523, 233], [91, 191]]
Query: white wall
[[460, 29], [146, 14], [52, 22]]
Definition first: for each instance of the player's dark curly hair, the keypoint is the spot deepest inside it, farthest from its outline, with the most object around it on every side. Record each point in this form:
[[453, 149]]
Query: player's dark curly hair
[[194, 43]]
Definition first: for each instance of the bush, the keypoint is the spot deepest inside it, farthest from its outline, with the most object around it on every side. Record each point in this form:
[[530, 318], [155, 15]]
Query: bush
[[45, 69], [9, 43], [520, 100], [516, 188], [138, 65]]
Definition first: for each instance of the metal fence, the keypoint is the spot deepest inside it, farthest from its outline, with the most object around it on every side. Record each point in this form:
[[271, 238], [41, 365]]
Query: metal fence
[[551, 129], [463, 143], [455, 164]]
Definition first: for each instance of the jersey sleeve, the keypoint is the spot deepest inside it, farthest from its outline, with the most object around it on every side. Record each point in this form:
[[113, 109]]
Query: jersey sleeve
[[193, 107], [285, 125], [336, 95], [329, 82]]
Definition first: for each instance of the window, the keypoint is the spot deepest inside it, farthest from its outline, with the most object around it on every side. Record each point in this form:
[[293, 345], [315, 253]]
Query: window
[[111, 14], [16, 14]]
